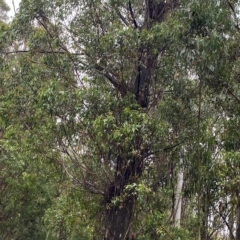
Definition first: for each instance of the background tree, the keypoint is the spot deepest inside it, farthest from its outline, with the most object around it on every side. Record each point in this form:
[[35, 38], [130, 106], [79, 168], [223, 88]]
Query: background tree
[[4, 8]]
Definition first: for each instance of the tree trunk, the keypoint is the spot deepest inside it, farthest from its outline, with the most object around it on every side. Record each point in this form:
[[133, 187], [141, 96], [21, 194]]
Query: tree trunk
[[118, 220], [119, 202], [231, 221], [205, 215], [178, 197], [238, 220], [178, 202]]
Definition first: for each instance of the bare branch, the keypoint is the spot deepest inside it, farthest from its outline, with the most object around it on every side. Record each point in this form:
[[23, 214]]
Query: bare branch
[[122, 17], [234, 13], [111, 78], [132, 15], [41, 51], [175, 145], [224, 218]]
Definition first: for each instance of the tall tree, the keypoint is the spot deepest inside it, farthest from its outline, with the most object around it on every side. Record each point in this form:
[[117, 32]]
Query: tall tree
[[100, 52]]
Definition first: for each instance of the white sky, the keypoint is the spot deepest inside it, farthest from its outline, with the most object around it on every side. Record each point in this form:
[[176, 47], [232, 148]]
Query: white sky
[[10, 4]]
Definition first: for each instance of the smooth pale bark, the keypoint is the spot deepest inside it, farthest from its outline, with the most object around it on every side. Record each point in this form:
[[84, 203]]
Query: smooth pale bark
[[178, 198]]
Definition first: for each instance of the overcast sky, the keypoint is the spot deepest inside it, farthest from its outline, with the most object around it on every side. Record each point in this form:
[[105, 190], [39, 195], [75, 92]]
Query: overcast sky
[[10, 4]]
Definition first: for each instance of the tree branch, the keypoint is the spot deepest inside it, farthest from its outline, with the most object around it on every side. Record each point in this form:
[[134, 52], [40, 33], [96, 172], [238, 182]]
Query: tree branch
[[41, 51], [223, 218], [234, 13], [132, 15], [111, 78], [173, 146], [14, 9], [122, 17]]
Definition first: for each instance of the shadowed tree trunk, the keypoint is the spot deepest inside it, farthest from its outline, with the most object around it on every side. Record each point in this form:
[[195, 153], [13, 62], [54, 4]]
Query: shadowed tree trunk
[[118, 220], [205, 210], [119, 212], [238, 219]]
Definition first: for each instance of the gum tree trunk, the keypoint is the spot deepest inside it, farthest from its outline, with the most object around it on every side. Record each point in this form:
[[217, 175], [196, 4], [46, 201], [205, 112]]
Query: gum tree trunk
[[118, 221], [119, 202], [178, 202]]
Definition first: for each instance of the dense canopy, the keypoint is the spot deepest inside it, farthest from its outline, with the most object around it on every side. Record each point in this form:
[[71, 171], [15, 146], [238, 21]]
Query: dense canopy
[[119, 120]]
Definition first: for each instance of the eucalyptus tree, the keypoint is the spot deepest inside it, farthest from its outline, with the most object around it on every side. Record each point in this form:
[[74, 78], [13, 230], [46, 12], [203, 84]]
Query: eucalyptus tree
[[112, 116], [112, 86]]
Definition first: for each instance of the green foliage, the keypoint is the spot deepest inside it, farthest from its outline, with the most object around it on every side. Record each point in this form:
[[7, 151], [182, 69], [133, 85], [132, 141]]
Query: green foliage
[[72, 127]]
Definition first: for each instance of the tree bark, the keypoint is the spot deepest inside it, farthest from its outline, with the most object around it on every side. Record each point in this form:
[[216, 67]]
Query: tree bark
[[231, 223], [238, 219], [178, 197], [118, 220], [178, 202], [205, 215], [119, 213]]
